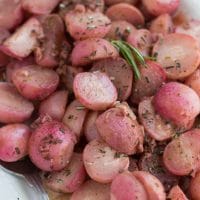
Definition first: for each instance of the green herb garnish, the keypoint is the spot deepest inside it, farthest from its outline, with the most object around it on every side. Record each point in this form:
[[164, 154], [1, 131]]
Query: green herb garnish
[[131, 54], [80, 108]]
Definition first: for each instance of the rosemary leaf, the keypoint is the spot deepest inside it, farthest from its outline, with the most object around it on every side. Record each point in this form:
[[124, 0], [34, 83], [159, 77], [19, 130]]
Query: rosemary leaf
[[131, 54], [80, 108], [137, 54]]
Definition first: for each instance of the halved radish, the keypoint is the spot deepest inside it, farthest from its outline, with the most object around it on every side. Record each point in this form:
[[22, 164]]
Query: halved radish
[[179, 54], [94, 90], [155, 126], [24, 40], [127, 12], [127, 187], [120, 72], [152, 185], [182, 155], [103, 163]]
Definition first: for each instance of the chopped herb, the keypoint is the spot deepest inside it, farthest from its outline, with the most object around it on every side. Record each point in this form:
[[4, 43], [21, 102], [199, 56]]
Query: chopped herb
[[47, 175], [107, 24], [117, 31], [169, 67], [177, 134], [70, 116], [62, 130], [57, 141], [93, 53], [91, 27], [67, 172], [155, 55], [102, 151], [105, 48], [178, 64], [128, 30], [90, 17], [147, 80], [17, 150], [167, 57], [117, 155], [143, 39], [59, 180], [80, 108]]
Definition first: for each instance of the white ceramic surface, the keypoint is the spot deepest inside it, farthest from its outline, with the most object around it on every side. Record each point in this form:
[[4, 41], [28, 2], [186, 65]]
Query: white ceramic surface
[[13, 188], [191, 8]]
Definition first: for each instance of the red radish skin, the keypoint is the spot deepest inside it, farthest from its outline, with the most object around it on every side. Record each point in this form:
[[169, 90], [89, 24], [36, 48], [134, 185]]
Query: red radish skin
[[141, 39], [69, 179], [186, 108], [127, 12], [152, 78], [194, 187], [94, 49], [126, 186], [148, 16], [112, 2], [68, 5], [51, 146], [83, 24], [120, 72], [177, 194], [4, 33], [90, 129], [47, 54], [35, 82], [4, 59], [15, 64], [120, 30], [103, 163], [155, 126], [158, 7], [67, 74], [11, 14], [39, 7], [24, 40], [94, 90], [91, 190], [13, 107], [14, 140], [193, 81], [179, 55], [152, 185], [119, 128], [74, 117], [181, 155], [163, 25], [54, 105]]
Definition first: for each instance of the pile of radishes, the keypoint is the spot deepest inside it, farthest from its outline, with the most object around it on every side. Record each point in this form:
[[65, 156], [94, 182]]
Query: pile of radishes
[[70, 101]]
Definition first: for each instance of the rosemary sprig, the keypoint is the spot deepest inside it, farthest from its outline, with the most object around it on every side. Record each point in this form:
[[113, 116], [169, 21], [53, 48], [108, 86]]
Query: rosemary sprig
[[131, 54], [139, 57]]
